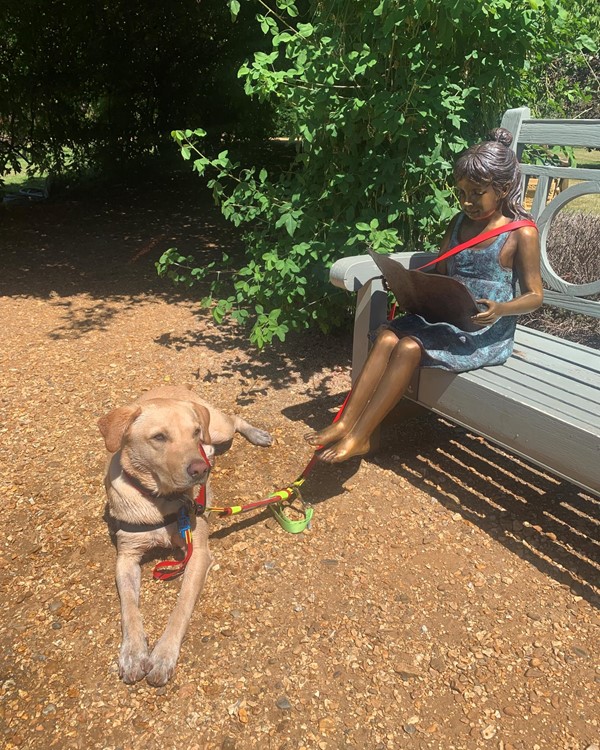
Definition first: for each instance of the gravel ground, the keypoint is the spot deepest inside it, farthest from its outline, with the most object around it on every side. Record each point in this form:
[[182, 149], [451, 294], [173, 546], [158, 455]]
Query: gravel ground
[[445, 597]]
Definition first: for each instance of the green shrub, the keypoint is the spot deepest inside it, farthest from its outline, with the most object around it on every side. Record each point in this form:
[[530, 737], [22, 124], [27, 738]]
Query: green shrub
[[380, 96]]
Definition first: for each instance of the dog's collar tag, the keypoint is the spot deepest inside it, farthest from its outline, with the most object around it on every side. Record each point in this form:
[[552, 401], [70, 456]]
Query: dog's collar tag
[[183, 522]]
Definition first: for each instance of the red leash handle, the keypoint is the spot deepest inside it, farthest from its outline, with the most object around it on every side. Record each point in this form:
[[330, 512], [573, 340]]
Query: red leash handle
[[511, 226], [169, 569]]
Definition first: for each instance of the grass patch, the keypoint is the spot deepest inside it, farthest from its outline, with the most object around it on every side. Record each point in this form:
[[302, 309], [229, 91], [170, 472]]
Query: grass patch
[[585, 204], [15, 181], [586, 158]]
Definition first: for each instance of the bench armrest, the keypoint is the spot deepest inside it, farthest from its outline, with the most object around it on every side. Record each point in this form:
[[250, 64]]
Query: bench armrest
[[360, 274], [355, 271]]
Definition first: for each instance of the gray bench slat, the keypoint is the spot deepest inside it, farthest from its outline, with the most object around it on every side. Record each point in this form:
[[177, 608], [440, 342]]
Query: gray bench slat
[[569, 173], [552, 393], [563, 132], [574, 304], [567, 352]]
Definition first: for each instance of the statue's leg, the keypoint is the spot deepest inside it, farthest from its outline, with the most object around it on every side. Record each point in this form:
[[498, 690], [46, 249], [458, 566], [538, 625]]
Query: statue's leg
[[364, 388], [392, 385]]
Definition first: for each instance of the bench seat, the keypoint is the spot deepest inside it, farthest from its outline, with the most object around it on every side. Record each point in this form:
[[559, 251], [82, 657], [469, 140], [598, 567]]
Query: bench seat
[[542, 404]]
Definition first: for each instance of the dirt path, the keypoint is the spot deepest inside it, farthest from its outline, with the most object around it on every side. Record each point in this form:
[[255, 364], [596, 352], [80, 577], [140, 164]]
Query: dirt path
[[446, 596]]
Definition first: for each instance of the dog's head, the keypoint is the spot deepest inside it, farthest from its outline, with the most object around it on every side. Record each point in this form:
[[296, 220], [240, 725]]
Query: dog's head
[[163, 442]]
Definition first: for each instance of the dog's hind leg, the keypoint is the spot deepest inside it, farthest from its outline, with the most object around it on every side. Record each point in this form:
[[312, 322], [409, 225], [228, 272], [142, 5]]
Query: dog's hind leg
[[251, 433], [163, 659], [134, 649]]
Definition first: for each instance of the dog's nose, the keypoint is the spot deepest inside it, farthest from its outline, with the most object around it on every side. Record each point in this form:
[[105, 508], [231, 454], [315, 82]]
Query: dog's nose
[[197, 468]]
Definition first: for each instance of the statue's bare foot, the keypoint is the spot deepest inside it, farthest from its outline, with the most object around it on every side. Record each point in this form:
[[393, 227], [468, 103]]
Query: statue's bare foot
[[329, 435], [346, 448]]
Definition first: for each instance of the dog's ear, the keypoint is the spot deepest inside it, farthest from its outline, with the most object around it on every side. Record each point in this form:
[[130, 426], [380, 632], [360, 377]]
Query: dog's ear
[[114, 425], [204, 418]]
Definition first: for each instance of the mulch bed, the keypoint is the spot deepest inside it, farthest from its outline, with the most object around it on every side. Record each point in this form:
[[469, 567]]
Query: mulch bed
[[445, 597]]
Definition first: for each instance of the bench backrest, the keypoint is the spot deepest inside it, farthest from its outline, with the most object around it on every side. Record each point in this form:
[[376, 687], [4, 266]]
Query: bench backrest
[[526, 130]]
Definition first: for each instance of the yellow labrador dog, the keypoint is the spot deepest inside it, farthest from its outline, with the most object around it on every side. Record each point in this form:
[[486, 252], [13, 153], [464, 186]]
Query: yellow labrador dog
[[163, 446]]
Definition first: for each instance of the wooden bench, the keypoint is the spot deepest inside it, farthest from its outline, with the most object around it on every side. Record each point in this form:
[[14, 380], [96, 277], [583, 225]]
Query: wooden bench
[[543, 404]]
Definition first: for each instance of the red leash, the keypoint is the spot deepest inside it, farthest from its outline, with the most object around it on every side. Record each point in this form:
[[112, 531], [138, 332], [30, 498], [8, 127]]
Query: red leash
[[511, 226], [169, 569], [287, 494]]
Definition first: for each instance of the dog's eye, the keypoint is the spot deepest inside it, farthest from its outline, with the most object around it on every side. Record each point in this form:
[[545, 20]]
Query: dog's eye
[[160, 437], [197, 432]]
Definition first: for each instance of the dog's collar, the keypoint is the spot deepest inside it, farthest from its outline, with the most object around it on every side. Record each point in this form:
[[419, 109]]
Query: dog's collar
[[136, 528], [198, 503]]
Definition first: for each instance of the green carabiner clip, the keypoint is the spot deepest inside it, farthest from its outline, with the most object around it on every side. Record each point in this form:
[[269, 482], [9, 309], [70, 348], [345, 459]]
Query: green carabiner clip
[[287, 524]]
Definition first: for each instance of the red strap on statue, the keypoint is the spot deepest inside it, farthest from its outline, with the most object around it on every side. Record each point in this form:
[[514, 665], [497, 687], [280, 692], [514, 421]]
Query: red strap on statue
[[481, 238]]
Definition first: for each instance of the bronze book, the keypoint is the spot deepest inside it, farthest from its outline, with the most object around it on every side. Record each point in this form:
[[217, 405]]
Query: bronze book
[[437, 298]]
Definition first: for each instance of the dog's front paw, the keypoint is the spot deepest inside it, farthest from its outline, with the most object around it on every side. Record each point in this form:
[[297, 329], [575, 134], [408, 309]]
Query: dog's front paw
[[133, 663], [161, 665]]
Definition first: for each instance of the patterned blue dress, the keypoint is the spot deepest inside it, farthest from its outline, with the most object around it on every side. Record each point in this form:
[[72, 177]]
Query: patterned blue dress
[[447, 347]]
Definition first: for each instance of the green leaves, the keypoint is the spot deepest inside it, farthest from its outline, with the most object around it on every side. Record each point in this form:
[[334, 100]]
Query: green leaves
[[378, 98], [234, 7]]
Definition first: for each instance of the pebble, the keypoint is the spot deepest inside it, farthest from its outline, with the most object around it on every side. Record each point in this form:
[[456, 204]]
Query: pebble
[[228, 744], [283, 703], [488, 732], [533, 672], [438, 664], [410, 728], [326, 725], [406, 671]]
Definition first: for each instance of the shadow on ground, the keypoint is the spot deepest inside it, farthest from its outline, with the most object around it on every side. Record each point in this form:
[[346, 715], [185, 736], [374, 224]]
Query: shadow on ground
[[93, 256], [548, 522]]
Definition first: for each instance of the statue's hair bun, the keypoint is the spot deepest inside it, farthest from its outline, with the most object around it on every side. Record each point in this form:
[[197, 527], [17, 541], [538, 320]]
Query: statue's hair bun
[[501, 135]]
